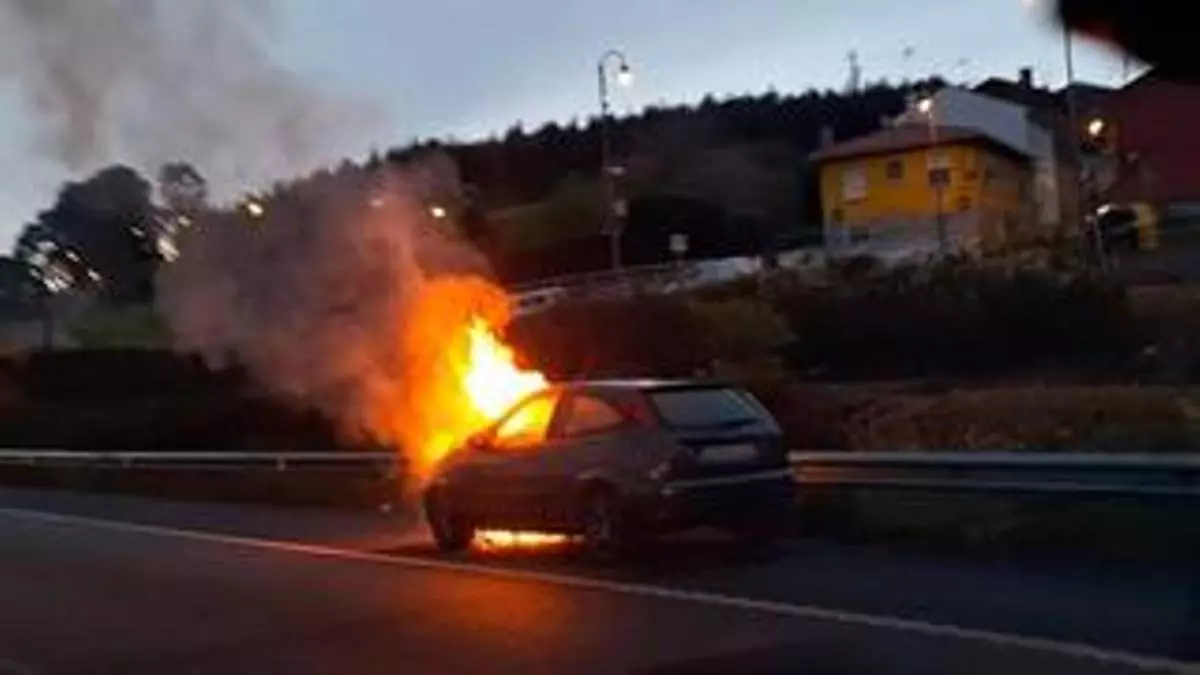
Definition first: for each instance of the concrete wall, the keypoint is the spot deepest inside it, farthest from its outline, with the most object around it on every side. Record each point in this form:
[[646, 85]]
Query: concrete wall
[[910, 238]]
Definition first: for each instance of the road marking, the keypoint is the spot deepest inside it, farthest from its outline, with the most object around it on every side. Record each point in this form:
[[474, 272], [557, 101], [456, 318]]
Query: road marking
[[1070, 649]]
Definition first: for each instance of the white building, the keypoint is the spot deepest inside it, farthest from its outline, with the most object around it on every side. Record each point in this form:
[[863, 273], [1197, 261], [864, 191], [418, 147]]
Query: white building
[[1014, 126]]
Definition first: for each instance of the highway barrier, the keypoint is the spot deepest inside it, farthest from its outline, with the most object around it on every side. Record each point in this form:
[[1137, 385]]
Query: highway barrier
[[351, 479], [1127, 475], [1117, 506], [1027, 473]]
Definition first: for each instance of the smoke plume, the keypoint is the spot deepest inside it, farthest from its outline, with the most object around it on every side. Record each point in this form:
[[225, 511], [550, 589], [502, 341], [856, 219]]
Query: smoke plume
[[347, 291], [347, 295], [152, 81]]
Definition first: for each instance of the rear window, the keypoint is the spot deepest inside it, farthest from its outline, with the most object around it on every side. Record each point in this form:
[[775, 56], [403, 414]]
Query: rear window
[[706, 408]]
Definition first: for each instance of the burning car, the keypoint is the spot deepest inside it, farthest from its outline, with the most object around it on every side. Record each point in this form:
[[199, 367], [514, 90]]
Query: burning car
[[617, 462]]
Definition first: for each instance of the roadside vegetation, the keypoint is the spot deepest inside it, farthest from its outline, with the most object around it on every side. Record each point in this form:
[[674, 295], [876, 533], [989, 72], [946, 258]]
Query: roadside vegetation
[[861, 357], [955, 355]]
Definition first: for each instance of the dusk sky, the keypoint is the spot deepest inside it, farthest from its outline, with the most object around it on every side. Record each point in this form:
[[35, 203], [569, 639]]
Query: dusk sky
[[467, 68]]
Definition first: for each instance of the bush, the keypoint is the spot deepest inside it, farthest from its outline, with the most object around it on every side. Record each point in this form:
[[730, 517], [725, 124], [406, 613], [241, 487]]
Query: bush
[[646, 335], [146, 400], [120, 327], [953, 318], [740, 330], [1080, 418], [860, 319]]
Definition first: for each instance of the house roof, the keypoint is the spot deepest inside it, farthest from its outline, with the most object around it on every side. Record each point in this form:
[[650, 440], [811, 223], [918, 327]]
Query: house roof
[[909, 137], [1021, 94], [1086, 95]]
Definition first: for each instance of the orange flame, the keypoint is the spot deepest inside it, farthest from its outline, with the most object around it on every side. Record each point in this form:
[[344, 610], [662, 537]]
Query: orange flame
[[493, 383], [458, 374], [458, 377], [516, 539]]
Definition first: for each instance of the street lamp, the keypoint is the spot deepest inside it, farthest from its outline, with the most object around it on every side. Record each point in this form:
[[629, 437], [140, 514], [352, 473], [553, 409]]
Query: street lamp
[[438, 212], [926, 107], [1095, 127], [613, 211], [254, 209]]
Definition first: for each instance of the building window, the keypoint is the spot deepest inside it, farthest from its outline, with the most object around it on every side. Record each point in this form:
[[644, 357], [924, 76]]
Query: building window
[[963, 203], [837, 215], [939, 160], [971, 175], [894, 170], [939, 177], [854, 185]]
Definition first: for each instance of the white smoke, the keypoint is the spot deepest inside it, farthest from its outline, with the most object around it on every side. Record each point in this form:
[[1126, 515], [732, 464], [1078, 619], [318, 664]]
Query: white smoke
[[151, 81], [318, 296]]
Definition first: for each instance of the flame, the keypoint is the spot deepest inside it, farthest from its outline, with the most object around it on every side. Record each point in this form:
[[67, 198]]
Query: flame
[[493, 383], [515, 539], [459, 376]]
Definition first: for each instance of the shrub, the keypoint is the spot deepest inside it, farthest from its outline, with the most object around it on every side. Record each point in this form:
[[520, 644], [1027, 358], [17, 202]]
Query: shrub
[[120, 327], [644, 335], [740, 330], [953, 318], [1080, 418], [146, 400]]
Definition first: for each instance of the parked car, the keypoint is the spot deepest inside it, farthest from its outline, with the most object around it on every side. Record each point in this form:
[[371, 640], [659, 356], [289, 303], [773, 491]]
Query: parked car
[[618, 463]]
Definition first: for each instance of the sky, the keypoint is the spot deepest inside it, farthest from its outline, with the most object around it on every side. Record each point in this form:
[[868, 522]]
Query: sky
[[469, 68]]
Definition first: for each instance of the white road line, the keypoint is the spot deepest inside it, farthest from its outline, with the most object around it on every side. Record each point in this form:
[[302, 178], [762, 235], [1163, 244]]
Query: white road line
[[1069, 649]]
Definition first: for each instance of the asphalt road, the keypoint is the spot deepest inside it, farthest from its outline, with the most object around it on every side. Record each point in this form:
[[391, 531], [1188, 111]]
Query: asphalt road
[[94, 584]]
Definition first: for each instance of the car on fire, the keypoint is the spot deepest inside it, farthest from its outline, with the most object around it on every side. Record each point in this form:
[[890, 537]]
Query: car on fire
[[617, 463]]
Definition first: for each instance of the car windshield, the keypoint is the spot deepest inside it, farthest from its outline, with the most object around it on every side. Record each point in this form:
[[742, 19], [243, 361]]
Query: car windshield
[[705, 408]]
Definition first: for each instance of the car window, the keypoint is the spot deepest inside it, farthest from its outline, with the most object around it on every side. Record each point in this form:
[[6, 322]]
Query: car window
[[527, 425], [589, 415], [706, 408]]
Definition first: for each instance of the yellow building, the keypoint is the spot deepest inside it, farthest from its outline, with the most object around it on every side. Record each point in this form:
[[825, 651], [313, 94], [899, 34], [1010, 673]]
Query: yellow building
[[917, 185]]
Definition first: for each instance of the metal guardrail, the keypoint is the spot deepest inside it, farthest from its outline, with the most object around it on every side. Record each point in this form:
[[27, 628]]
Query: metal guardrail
[[382, 462], [1077, 475]]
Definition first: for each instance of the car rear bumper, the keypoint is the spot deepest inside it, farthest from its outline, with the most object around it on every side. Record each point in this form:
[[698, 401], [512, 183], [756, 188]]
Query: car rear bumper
[[724, 500]]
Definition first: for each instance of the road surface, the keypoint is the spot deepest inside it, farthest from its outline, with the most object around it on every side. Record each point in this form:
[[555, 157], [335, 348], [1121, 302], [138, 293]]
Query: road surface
[[96, 584]]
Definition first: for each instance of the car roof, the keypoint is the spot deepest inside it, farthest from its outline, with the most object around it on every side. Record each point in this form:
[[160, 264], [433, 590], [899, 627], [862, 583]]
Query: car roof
[[642, 384]]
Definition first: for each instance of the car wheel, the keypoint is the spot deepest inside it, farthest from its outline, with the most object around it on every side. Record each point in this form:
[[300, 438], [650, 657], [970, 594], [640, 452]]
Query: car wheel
[[451, 531], [607, 534]]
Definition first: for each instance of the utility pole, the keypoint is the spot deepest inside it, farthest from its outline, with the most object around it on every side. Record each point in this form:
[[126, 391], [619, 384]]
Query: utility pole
[[614, 210], [1073, 124]]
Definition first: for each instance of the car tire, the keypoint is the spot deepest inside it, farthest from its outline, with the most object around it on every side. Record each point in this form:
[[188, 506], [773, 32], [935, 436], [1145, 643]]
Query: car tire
[[608, 534], [451, 531]]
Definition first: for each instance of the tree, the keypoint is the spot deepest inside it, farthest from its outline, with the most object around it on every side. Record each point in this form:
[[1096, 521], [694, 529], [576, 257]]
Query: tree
[[182, 188], [20, 289], [100, 231]]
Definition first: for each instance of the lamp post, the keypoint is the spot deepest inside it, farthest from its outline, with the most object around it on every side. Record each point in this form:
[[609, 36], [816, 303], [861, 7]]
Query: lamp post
[[1082, 205], [613, 212], [926, 107]]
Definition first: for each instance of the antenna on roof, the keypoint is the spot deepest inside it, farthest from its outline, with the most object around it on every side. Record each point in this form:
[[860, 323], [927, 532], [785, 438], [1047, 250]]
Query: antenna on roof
[[854, 82]]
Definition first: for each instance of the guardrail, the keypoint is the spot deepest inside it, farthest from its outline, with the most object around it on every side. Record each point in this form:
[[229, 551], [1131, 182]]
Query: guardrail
[[1079, 475], [384, 462], [1125, 475]]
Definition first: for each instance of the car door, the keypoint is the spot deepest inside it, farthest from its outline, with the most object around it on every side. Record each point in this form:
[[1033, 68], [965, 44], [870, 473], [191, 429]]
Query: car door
[[508, 458], [582, 427]]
